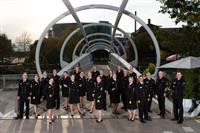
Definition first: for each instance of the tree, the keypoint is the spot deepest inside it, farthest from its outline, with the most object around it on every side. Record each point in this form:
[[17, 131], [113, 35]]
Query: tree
[[24, 40], [5, 47], [187, 11]]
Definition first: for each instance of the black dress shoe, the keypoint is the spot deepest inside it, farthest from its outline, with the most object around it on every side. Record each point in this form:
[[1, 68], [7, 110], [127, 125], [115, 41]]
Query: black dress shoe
[[142, 121], [159, 114], [27, 117], [174, 119], [150, 111], [179, 121], [18, 117], [163, 117], [99, 121]]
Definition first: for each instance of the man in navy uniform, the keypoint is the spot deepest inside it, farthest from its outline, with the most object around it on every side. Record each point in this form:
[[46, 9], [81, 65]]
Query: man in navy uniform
[[142, 98], [56, 88], [177, 88], [150, 84], [161, 85], [23, 95]]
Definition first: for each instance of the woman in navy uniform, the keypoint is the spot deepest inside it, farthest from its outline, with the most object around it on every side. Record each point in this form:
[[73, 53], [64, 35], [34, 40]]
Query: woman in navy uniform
[[44, 82], [82, 89], [103, 80], [50, 95], [131, 99], [109, 80], [65, 88], [90, 88], [23, 95], [35, 94], [57, 88], [114, 94], [95, 73], [99, 99], [142, 99], [74, 95], [76, 73]]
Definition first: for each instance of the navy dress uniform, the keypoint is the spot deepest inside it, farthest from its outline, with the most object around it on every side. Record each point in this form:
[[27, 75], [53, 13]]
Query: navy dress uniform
[[24, 92], [65, 86], [114, 92], [35, 92], [161, 85], [57, 90], [142, 97], [123, 89], [44, 82], [150, 84], [131, 97], [81, 84], [100, 96], [50, 95], [90, 89], [73, 92], [95, 74], [177, 88]]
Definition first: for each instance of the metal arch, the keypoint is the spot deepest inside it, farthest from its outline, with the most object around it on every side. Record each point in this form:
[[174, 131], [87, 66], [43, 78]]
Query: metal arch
[[119, 15], [72, 11], [95, 24], [94, 6], [96, 34], [101, 41], [100, 44], [99, 47], [97, 40], [102, 24]]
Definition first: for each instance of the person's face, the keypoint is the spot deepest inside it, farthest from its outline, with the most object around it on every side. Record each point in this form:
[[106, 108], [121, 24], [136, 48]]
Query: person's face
[[81, 74], [89, 74], [45, 74], [119, 68], [125, 73], [94, 68], [131, 68], [65, 74], [101, 72], [161, 74], [148, 75], [98, 79], [141, 79], [110, 72], [114, 76], [24, 76], [130, 80], [178, 75], [54, 72], [76, 69], [72, 77], [51, 81], [36, 78]]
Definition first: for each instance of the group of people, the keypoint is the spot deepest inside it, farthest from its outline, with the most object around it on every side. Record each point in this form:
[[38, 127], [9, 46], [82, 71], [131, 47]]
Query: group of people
[[135, 92]]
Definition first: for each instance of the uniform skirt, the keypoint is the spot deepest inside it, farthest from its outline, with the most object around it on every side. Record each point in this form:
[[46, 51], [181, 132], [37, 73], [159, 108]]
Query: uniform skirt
[[90, 96], [50, 103], [131, 104], [35, 100], [65, 92], [74, 98], [99, 104], [82, 91], [115, 97]]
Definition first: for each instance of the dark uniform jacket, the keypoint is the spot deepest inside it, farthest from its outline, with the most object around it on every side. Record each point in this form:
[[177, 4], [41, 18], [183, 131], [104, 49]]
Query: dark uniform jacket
[[24, 89], [177, 88], [161, 84], [150, 84], [141, 92]]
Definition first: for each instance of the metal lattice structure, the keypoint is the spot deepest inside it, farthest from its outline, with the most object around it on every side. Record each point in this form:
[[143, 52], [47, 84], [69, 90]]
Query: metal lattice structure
[[98, 43]]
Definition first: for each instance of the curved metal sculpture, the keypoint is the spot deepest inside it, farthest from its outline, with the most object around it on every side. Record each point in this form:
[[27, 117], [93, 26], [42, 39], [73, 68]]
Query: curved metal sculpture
[[97, 6]]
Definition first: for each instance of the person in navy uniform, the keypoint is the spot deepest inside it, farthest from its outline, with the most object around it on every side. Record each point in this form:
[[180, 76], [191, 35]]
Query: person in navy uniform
[[82, 89], [23, 95], [109, 80], [74, 95], [161, 85], [35, 94], [123, 88], [90, 89], [142, 99], [65, 88], [76, 73], [57, 88], [131, 99], [114, 94], [95, 73], [44, 82], [103, 80], [51, 97], [177, 88], [99, 98], [150, 84], [131, 73]]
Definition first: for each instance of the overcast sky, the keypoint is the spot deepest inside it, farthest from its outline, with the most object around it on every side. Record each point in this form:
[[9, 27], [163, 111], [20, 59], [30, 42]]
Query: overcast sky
[[17, 16]]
